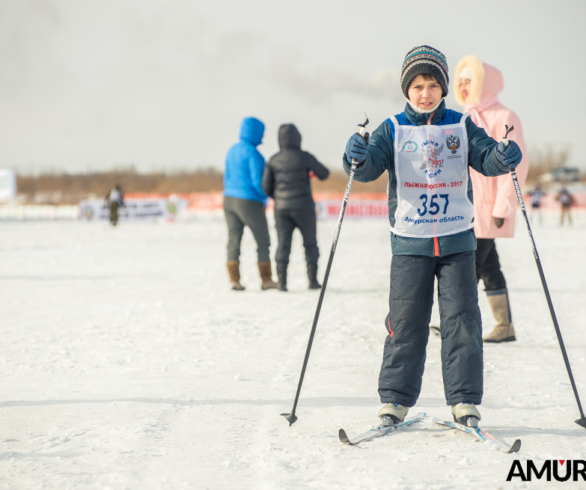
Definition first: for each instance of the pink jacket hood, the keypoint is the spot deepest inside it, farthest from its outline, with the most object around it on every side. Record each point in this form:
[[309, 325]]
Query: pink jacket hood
[[493, 196]]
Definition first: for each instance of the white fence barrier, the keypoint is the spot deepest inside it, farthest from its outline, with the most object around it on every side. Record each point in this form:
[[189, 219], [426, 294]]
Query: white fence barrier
[[36, 212]]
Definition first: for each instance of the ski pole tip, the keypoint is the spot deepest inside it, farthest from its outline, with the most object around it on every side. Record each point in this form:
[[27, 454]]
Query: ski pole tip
[[581, 422], [291, 417]]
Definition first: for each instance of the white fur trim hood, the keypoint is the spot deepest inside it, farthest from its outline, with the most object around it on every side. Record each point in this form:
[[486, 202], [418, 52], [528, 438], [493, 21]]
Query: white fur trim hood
[[477, 69]]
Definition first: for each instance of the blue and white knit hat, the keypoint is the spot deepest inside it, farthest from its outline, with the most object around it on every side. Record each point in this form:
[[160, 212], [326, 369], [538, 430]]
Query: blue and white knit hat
[[424, 60]]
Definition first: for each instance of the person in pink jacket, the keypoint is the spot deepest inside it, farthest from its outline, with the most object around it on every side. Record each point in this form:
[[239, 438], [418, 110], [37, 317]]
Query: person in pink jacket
[[477, 86]]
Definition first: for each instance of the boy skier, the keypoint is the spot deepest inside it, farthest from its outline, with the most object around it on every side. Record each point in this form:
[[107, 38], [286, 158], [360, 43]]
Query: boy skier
[[427, 150]]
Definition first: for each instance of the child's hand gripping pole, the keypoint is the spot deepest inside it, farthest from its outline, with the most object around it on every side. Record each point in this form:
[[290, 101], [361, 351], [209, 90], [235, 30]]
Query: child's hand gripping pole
[[505, 142], [582, 420], [291, 417], [364, 135]]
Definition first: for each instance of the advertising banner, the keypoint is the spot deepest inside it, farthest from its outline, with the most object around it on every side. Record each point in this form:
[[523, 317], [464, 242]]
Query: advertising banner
[[134, 209], [362, 209]]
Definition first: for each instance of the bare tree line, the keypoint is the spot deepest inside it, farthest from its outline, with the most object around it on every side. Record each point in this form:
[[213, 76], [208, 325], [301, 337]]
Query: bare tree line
[[69, 188]]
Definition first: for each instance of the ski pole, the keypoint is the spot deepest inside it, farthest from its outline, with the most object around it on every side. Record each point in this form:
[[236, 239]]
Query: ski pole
[[291, 417], [582, 420]]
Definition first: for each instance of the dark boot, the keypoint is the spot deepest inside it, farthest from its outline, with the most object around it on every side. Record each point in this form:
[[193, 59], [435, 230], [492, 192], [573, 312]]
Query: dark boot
[[282, 275], [312, 275]]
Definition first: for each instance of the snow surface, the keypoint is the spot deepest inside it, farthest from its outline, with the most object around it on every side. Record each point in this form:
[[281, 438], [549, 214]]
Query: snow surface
[[126, 362]]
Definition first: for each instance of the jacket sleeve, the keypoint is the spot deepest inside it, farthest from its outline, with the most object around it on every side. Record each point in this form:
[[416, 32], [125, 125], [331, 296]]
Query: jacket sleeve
[[506, 198], [482, 151], [379, 158], [268, 180], [320, 170], [256, 163]]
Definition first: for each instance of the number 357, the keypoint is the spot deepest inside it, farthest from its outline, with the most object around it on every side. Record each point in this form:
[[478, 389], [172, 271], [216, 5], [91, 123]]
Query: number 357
[[434, 207]]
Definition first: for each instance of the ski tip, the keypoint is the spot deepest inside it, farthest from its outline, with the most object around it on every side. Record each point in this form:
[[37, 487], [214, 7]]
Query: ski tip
[[515, 447], [344, 437]]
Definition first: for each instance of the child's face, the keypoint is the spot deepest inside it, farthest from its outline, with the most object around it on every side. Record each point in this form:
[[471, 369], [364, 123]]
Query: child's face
[[425, 94], [464, 87]]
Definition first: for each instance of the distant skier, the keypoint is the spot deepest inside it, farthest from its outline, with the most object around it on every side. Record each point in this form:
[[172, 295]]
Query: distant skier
[[566, 201], [286, 180], [476, 87], [244, 202], [114, 201], [537, 194], [427, 151]]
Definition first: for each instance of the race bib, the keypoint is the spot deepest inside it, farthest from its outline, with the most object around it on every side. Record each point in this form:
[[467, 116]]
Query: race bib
[[431, 165]]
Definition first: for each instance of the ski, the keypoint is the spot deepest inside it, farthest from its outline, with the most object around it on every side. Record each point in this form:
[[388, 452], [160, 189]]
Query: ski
[[483, 436], [378, 431]]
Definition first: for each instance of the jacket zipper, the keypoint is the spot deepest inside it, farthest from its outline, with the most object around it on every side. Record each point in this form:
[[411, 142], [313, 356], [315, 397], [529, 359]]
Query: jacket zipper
[[435, 246]]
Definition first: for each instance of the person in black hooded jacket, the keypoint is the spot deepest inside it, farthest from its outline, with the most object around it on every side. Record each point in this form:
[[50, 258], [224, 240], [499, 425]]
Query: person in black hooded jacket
[[286, 180]]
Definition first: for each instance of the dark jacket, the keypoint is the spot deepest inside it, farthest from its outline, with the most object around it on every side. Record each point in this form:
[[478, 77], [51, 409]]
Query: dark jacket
[[286, 176], [481, 157], [245, 164]]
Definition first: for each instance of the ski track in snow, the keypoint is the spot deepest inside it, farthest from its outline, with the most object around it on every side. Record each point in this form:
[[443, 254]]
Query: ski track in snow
[[126, 362]]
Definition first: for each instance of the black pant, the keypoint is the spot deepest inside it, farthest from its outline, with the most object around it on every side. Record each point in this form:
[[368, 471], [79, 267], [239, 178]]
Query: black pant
[[410, 302], [240, 213], [114, 212], [488, 267], [289, 219]]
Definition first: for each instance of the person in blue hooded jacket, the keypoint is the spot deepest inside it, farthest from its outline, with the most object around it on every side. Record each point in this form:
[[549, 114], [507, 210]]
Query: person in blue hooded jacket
[[427, 151], [244, 202]]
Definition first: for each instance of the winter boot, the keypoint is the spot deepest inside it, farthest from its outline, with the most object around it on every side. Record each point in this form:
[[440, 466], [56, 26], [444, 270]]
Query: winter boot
[[312, 275], [392, 413], [266, 274], [466, 414], [282, 275], [234, 273], [503, 331]]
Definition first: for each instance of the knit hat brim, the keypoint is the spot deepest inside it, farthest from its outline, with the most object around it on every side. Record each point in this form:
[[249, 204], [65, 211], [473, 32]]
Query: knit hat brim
[[424, 69]]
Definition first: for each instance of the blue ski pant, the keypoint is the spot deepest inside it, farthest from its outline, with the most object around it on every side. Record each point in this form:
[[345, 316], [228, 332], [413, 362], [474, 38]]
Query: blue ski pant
[[410, 303]]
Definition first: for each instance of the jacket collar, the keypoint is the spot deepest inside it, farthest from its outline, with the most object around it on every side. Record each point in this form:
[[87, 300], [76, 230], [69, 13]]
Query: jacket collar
[[421, 119]]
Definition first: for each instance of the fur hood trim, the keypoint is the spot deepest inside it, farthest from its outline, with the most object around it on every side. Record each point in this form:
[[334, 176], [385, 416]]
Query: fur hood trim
[[475, 65], [487, 81]]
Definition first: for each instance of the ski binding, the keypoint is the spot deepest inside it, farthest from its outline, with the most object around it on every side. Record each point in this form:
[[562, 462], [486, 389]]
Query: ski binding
[[378, 431]]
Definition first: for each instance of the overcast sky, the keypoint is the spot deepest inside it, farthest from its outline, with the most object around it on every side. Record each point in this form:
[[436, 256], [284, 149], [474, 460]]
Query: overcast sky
[[163, 84]]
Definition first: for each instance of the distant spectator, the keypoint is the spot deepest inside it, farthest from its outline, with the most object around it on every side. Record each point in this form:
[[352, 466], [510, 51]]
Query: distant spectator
[[244, 202], [567, 201], [114, 200], [536, 194], [286, 180]]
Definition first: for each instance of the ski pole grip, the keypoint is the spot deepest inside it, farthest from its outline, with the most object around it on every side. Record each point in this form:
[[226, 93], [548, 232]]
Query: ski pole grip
[[505, 140], [362, 132]]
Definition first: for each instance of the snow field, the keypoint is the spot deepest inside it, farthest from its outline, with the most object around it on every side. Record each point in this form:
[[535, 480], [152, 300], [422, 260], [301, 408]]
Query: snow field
[[127, 362]]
